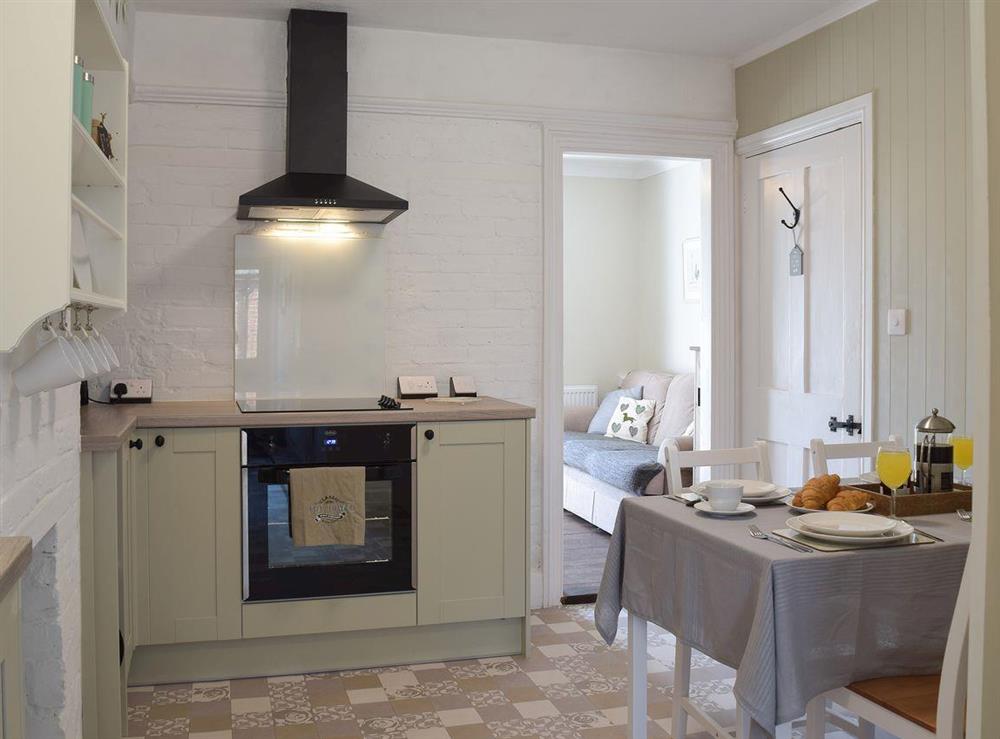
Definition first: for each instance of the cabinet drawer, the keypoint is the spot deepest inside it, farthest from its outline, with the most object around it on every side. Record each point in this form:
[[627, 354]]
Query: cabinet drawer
[[329, 615]]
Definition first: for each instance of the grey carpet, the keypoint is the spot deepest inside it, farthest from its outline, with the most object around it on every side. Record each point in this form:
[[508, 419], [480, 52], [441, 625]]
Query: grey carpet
[[585, 547]]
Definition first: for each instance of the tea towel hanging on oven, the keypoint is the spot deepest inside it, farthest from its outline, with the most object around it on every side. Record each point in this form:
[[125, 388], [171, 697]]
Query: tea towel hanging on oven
[[327, 506]]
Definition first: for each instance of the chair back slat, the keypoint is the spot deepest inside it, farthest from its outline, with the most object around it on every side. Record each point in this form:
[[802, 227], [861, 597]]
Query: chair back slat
[[955, 670], [821, 453], [675, 460]]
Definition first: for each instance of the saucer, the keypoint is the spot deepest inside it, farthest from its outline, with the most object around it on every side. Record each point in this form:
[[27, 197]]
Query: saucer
[[742, 508]]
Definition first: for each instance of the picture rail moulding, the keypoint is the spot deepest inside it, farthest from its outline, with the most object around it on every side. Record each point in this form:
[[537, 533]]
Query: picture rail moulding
[[678, 125]]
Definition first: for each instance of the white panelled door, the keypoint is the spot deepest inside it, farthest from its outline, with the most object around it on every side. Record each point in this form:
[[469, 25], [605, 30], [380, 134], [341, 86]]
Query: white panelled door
[[803, 340]]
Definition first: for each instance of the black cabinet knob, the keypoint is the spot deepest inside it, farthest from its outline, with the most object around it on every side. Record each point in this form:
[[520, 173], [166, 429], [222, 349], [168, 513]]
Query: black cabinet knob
[[428, 434], [135, 444], [159, 440]]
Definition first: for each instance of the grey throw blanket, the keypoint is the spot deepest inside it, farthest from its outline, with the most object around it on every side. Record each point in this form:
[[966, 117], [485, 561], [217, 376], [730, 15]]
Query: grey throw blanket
[[626, 465]]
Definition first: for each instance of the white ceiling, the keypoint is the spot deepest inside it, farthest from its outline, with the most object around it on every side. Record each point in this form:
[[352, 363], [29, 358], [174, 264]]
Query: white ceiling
[[732, 29], [617, 166]]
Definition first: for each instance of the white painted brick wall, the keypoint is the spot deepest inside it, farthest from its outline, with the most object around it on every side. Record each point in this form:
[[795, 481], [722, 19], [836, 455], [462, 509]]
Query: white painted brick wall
[[464, 286], [39, 496]]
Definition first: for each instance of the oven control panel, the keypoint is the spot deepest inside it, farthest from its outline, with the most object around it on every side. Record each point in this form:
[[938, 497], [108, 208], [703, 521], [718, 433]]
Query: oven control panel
[[340, 445]]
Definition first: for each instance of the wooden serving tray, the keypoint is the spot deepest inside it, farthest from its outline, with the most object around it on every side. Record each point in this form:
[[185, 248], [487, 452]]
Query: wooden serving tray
[[918, 504]]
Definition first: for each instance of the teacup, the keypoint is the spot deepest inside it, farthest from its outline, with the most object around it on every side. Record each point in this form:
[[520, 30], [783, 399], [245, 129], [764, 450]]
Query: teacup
[[723, 495], [55, 364]]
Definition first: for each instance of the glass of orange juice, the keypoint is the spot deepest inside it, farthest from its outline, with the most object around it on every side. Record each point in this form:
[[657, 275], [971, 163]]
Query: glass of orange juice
[[961, 445], [893, 465]]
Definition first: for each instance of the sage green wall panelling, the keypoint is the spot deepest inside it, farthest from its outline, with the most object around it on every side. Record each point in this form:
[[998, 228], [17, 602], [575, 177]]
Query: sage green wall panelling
[[912, 55]]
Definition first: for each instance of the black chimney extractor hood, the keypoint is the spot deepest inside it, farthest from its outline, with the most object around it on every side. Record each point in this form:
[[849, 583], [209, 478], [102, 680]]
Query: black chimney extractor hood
[[316, 187]]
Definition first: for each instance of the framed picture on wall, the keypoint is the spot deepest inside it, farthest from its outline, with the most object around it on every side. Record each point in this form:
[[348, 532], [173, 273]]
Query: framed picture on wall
[[691, 269]]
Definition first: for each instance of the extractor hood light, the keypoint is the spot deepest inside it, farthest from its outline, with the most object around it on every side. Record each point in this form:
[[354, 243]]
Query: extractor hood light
[[319, 231]]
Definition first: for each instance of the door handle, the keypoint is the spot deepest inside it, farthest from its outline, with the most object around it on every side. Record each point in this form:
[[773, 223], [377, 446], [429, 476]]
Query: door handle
[[135, 444], [848, 424], [428, 434]]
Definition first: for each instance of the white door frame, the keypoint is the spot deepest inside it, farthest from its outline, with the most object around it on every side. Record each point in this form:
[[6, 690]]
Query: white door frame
[[854, 111], [687, 139]]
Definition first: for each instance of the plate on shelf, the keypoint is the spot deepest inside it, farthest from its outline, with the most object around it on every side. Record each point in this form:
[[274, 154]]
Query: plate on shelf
[[741, 509], [83, 275], [751, 488], [844, 523], [901, 531]]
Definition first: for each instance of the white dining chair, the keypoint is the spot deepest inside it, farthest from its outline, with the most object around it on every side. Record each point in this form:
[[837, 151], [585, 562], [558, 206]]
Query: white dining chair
[[911, 707], [821, 453], [674, 460]]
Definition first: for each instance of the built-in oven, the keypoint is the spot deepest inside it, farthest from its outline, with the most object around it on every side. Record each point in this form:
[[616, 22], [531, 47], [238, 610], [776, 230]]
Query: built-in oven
[[274, 568]]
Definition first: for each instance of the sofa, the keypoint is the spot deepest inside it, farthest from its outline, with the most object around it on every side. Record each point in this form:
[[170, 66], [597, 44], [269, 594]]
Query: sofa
[[599, 472]]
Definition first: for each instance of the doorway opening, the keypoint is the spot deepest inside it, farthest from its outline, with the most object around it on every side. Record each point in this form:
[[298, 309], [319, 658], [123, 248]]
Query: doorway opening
[[634, 231]]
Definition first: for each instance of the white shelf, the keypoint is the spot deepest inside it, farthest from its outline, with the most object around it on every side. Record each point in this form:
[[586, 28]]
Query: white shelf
[[96, 299], [90, 213], [90, 166], [94, 40]]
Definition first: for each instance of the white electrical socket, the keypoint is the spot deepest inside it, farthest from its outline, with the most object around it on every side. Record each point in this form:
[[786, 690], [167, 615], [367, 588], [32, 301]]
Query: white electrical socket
[[417, 387], [131, 390]]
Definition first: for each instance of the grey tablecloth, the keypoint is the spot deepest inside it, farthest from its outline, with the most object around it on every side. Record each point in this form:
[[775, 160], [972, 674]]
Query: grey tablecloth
[[793, 625]]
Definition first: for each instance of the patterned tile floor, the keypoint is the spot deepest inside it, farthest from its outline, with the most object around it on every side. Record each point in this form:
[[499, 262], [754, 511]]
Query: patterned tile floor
[[570, 686]]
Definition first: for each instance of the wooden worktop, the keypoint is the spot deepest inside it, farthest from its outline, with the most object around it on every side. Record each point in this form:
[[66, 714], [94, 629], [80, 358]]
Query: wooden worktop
[[15, 555], [105, 427]]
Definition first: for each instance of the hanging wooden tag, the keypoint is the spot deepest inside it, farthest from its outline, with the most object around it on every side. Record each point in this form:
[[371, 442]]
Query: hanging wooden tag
[[796, 261]]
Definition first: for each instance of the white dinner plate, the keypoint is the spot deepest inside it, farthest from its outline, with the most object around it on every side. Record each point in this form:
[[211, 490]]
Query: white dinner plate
[[901, 531], [779, 494], [844, 523], [704, 507], [867, 507], [751, 488]]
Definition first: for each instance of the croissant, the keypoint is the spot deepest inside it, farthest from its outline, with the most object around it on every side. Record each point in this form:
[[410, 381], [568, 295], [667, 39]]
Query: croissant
[[818, 491], [848, 500]]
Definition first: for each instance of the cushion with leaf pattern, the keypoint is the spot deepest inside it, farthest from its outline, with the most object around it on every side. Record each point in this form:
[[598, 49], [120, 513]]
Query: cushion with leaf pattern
[[631, 418]]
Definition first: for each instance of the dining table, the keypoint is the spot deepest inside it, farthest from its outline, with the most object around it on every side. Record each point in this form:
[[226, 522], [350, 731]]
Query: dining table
[[793, 624]]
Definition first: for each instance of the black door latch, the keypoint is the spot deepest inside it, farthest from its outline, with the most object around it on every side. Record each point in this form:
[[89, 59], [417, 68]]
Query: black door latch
[[850, 425]]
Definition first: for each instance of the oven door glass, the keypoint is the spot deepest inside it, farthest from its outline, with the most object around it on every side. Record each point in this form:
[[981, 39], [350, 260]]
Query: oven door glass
[[277, 569]]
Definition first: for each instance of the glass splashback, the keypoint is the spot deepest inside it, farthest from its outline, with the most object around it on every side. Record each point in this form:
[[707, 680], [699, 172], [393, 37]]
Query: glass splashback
[[310, 317]]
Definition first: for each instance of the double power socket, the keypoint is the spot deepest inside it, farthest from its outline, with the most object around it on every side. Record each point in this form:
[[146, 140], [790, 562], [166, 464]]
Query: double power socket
[[131, 390]]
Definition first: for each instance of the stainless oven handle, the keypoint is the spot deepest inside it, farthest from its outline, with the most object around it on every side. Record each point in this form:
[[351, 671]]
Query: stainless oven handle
[[413, 524], [246, 531]]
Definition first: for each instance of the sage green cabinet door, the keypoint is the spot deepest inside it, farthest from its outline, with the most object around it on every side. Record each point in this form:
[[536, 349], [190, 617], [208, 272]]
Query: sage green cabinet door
[[194, 536], [12, 683], [471, 521]]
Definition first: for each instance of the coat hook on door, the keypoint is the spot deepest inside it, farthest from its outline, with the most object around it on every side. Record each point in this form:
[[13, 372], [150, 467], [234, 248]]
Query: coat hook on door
[[796, 211]]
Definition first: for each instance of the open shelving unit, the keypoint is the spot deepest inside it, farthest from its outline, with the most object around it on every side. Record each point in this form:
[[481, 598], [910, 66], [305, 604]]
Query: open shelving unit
[[99, 188]]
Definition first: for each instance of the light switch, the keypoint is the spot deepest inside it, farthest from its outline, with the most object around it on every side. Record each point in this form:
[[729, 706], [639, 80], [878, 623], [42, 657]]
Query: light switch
[[897, 322]]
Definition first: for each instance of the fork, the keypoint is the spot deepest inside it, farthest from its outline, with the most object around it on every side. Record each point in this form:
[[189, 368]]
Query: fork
[[756, 533], [964, 514]]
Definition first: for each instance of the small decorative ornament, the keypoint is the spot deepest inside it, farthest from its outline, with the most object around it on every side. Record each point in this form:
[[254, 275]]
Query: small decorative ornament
[[103, 137]]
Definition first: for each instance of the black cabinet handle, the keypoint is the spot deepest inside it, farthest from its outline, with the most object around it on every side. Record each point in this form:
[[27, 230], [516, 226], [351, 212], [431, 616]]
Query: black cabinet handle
[[135, 444], [159, 440], [428, 434]]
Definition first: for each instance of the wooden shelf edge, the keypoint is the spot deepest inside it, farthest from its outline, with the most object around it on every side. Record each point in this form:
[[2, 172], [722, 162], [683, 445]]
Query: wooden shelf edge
[[95, 150], [90, 213]]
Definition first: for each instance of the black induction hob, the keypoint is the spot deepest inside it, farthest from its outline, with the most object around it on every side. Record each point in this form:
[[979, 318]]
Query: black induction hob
[[299, 405]]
